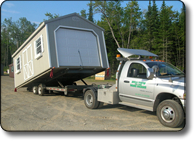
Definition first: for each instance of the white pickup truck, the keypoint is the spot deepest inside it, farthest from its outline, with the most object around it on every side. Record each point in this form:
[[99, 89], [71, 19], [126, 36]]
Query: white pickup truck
[[148, 84]]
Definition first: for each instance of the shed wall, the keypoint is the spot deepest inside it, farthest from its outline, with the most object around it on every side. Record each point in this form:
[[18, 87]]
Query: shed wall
[[74, 21], [39, 65]]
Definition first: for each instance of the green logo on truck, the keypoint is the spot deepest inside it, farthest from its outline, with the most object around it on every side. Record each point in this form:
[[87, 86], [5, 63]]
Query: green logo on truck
[[138, 84]]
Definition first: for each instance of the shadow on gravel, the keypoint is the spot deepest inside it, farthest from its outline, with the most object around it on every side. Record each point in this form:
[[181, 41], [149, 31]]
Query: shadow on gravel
[[130, 109], [109, 106]]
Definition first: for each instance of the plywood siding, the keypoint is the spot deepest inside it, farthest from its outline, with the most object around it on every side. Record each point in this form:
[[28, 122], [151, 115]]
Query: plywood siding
[[39, 65]]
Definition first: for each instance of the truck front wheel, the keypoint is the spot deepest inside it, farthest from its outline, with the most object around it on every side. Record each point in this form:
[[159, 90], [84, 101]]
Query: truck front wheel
[[170, 113], [90, 99]]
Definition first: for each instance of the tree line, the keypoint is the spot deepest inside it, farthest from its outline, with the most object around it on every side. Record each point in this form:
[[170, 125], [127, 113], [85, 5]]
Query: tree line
[[158, 30]]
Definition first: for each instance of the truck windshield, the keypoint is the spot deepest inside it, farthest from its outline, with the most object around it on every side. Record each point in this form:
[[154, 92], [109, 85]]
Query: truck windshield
[[165, 69]]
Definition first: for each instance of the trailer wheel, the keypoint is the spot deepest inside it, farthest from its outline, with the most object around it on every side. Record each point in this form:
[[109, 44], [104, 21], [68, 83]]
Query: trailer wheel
[[35, 90], [170, 113], [66, 95], [41, 89], [90, 99]]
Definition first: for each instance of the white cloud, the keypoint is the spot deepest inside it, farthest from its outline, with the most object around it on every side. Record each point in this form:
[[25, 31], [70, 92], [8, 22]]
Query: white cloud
[[10, 11], [8, 4]]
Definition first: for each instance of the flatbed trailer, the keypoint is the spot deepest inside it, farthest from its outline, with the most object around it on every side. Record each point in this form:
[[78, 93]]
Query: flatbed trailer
[[69, 88]]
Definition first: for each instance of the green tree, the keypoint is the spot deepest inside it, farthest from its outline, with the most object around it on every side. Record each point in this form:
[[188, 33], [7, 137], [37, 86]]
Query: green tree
[[106, 9], [111, 46], [13, 34], [90, 14], [83, 13], [155, 28], [6, 45], [182, 34], [148, 24], [51, 16], [165, 30], [178, 27], [132, 16]]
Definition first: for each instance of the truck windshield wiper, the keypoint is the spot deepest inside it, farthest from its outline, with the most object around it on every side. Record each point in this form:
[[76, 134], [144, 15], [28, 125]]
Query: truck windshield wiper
[[180, 75]]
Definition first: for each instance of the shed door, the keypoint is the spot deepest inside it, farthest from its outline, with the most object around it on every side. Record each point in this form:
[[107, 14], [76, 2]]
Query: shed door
[[77, 48], [27, 62]]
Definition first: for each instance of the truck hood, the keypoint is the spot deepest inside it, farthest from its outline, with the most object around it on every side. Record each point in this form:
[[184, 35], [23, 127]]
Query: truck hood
[[178, 81]]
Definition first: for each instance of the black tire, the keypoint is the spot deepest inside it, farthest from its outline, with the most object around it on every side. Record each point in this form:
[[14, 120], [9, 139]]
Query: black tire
[[170, 113], [100, 105], [90, 99], [67, 95], [35, 90], [41, 89]]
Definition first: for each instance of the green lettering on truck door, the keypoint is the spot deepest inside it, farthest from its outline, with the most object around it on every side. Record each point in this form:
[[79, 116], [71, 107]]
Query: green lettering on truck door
[[138, 84]]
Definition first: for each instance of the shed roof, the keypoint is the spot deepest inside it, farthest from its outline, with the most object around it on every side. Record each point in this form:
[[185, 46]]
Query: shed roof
[[49, 21]]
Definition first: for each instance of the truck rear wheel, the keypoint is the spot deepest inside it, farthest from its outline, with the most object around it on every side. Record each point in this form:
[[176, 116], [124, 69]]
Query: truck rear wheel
[[90, 99], [170, 113], [100, 105], [35, 90], [41, 89]]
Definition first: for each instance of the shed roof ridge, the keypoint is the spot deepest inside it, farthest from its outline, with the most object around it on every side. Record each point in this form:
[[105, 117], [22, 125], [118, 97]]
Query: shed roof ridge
[[76, 14]]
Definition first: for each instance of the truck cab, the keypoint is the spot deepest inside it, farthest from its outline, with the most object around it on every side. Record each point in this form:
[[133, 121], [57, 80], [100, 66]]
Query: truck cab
[[146, 83], [135, 86]]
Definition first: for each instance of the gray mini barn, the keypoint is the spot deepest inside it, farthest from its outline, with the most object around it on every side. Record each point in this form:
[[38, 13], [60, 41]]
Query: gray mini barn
[[65, 49]]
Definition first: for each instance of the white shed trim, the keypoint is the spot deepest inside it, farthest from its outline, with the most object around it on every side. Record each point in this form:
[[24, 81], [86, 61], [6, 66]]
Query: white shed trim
[[105, 48], [48, 46]]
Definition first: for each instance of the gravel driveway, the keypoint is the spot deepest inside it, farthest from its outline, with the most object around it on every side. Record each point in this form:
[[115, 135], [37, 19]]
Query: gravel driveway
[[25, 111]]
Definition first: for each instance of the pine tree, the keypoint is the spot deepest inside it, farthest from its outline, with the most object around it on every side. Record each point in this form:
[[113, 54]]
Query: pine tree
[[182, 21], [164, 26], [148, 24], [83, 13], [155, 28], [90, 15], [132, 15]]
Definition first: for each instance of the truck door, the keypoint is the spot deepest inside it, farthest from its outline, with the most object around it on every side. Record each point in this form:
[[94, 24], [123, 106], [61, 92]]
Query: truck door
[[134, 87]]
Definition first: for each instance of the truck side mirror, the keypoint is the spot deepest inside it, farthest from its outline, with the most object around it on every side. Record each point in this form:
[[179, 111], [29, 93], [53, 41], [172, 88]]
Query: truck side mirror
[[155, 68], [150, 73]]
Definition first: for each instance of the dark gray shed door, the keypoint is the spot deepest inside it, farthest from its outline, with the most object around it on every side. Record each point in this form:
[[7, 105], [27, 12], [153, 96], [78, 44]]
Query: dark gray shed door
[[77, 48]]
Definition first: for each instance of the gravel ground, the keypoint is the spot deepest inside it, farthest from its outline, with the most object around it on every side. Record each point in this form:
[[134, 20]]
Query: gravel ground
[[25, 111]]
